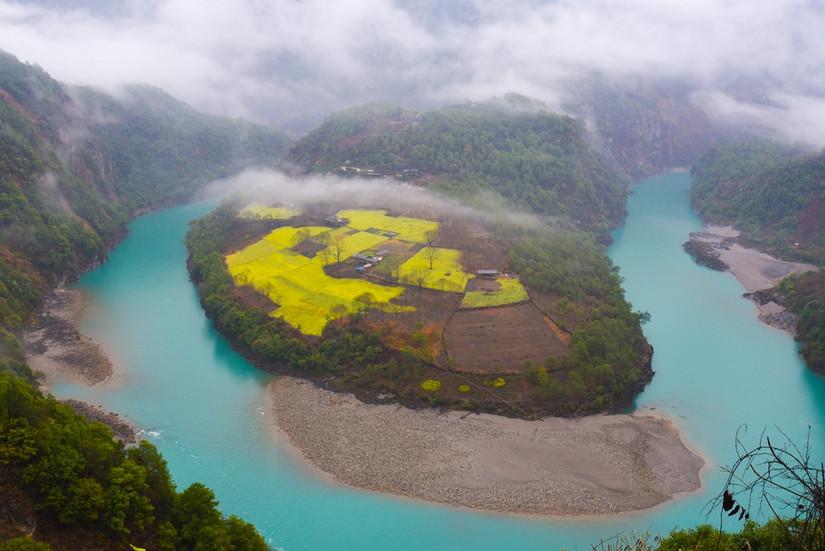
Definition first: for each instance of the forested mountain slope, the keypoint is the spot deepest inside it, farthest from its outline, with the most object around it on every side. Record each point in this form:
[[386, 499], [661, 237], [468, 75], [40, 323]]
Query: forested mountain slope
[[535, 160], [643, 129], [775, 195], [75, 164]]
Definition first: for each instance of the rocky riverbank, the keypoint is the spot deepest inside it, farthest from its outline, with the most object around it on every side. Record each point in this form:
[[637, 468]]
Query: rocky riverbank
[[716, 247], [122, 429], [592, 465], [55, 348]]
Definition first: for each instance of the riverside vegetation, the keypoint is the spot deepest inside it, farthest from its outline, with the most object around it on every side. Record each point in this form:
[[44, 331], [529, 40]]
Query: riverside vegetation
[[775, 195], [83, 489], [75, 165]]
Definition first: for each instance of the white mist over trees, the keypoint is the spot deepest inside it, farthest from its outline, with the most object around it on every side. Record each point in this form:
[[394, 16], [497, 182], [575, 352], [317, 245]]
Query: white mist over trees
[[290, 62]]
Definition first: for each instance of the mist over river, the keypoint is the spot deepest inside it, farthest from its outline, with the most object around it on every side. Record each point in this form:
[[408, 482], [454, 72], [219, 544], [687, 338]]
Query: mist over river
[[208, 411]]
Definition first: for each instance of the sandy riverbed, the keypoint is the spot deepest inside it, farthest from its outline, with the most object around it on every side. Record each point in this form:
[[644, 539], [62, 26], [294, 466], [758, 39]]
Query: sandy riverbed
[[57, 350], [592, 465], [754, 269]]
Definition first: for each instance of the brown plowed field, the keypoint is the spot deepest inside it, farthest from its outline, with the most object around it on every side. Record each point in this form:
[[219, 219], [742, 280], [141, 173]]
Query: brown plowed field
[[500, 340]]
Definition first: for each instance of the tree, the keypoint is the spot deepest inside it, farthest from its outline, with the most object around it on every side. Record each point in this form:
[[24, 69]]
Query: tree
[[431, 253], [300, 236], [419, 276], [196, 515], [783, 480], [431, 236], [338, 247]]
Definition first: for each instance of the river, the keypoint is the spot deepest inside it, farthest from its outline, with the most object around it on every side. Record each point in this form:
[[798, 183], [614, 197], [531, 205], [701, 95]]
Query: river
[[208, 411]]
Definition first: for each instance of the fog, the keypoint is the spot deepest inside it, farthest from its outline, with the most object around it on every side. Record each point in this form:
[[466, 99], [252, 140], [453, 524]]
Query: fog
[[288, 63], [266, 185]]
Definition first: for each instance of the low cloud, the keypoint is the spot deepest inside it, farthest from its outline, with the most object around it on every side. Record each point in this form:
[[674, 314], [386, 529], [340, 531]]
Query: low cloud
[[277, 187], [288, 62]]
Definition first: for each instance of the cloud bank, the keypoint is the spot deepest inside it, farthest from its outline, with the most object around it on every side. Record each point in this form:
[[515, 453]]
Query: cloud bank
[[288, 61]]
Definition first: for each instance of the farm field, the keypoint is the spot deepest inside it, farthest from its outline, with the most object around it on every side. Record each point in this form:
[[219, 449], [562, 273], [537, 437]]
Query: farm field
[[367, 260], [308, 298], [435, 268], [510, 291], [415, 230], [501, 340]]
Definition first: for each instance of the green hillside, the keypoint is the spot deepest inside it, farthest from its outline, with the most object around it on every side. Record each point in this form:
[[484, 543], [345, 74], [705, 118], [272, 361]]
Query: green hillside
[[772, 193], [776, 196], [535, 160], [75, 164]]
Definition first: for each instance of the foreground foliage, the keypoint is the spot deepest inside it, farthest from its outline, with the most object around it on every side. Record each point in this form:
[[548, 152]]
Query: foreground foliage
[[77, 474]]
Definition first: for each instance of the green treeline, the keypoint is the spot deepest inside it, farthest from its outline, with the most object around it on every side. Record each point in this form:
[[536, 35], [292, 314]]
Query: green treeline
[[76, 473], [535, 160], [804, 295], [609, 353]]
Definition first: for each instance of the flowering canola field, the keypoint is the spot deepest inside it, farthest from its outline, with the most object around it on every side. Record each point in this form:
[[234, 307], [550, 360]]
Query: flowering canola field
[[510, 291], [308, 298], [435, 268]]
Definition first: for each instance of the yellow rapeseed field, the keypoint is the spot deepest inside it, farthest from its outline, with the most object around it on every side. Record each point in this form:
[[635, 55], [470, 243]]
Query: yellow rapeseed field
[[306, 296], [446, 273], [511, 291], [308, 299], [408, 229]]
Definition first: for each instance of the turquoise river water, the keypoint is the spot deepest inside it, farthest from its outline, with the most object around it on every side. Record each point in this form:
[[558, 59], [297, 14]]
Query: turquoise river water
[[207, 409]]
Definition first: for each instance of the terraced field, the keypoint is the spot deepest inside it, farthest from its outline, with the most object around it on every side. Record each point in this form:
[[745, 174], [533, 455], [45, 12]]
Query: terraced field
[[287, 265], [308, 298], [435, 268], [510, 291]]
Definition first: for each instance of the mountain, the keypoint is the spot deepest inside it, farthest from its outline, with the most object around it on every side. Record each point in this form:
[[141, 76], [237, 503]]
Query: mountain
[[774, 194], [76, 164], [532, 159], [642, 128], [771, 192]]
